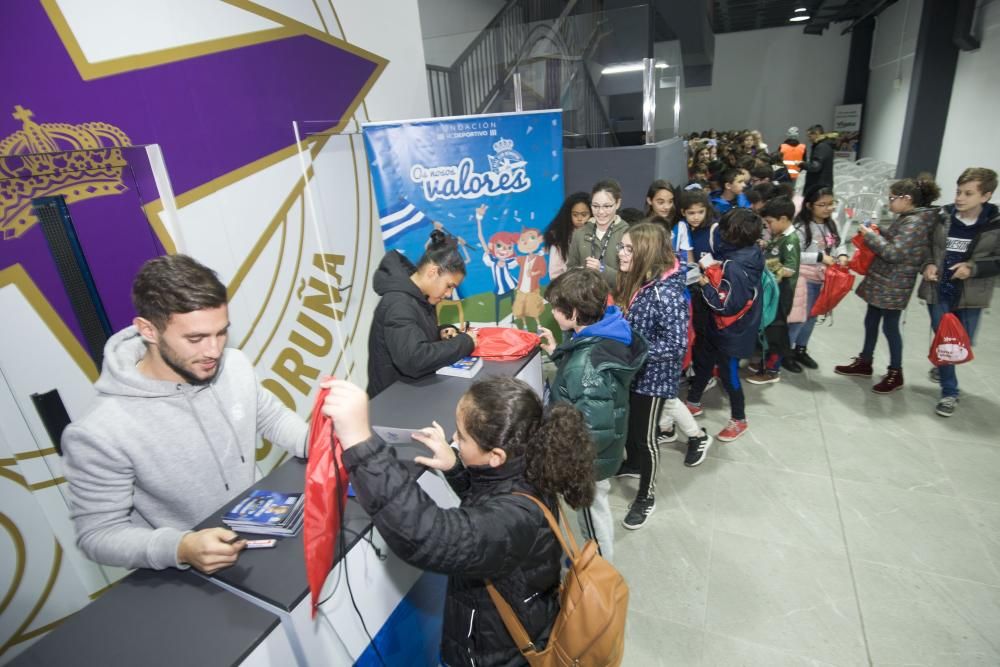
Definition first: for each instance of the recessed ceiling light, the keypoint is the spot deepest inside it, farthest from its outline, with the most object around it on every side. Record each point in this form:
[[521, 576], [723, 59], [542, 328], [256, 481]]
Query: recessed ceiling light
[[800, 10], [801, 17]]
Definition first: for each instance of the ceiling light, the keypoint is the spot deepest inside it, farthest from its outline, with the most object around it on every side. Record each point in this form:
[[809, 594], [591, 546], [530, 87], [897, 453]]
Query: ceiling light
[[801, 17], [800, 10], [629, 67]]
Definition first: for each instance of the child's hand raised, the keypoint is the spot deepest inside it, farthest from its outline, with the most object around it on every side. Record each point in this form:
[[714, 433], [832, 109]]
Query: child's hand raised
[[548, 341], [347, 406], [443, 455]]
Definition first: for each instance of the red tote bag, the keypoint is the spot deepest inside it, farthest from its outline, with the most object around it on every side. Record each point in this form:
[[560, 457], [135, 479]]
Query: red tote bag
[[504, 343], [838, 283], [951, 344], [863, 255]]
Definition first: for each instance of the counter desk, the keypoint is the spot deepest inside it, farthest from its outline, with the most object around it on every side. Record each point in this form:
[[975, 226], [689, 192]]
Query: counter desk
[[258, 611]]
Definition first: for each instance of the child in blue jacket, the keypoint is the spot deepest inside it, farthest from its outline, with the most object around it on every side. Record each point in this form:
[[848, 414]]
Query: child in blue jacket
[[651, 284], [732, 292]]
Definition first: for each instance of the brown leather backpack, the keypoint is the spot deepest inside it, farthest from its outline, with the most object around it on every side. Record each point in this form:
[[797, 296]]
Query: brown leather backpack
[[589, 630]]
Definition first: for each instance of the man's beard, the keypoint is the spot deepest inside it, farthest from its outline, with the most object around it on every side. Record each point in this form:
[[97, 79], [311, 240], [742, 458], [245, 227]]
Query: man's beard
[[167, 354]]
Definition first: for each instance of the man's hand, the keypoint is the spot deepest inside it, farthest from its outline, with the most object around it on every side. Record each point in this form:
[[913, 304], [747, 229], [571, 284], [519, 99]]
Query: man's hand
[[443, 455], [593, 264], [828, 260], [210, 550], [471, 333], [962, 270], [931, 273], [347, 406], [548, 341]]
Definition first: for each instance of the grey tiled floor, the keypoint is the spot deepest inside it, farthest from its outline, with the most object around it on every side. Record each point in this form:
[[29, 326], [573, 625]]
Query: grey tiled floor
[[845, 528]]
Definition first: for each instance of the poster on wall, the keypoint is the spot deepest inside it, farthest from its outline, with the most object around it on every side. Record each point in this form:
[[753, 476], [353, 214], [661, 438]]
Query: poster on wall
[[492, 181], [847, 123]]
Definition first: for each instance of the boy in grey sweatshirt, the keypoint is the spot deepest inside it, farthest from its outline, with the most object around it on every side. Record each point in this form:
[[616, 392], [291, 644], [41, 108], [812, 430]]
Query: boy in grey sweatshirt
[[171, 435]]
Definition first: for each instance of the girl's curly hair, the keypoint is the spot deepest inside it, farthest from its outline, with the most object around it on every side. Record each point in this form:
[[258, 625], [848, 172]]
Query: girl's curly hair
[[505, 413]]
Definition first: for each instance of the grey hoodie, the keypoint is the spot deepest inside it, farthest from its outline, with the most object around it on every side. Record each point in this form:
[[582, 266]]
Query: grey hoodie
[[151, 459]]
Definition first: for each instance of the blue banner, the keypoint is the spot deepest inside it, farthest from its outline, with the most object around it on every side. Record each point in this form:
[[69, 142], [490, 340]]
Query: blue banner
[[493, 181]]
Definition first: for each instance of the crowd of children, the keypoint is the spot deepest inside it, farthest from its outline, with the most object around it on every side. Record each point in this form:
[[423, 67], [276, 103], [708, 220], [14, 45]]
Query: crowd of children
[[680, 296], [709, 277]]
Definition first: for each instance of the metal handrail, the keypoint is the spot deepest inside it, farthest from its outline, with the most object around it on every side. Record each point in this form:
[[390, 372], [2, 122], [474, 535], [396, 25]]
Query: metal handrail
[[484, 69]]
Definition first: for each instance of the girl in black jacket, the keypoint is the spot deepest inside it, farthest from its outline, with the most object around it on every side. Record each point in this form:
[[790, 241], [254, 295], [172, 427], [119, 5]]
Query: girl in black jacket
[[404, 340], [505, 444]]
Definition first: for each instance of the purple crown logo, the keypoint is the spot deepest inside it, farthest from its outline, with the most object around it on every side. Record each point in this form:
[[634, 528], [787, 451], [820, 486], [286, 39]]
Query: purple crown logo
[[45, 159]]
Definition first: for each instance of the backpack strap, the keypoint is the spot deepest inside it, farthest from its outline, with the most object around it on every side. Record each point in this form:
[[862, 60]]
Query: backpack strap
[[510, 620], [571, 549]]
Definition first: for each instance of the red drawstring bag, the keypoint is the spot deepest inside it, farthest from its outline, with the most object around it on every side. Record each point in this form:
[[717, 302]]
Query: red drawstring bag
[[714, 273], [951, 343], [837, 284], [326, 496], [863, 255], [503, 343]]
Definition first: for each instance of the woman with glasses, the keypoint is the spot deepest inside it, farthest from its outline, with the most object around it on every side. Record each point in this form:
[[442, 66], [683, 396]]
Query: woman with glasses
[[901, 250], [821, 245], [650, 292], [593, 245]]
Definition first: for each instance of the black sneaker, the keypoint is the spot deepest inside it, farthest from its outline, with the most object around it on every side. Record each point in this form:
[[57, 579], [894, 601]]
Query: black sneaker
[[946, 406], [789, 364], [638, 512], [627, 471], [666, 437], [934, 375], [697, 449], [802, 356]]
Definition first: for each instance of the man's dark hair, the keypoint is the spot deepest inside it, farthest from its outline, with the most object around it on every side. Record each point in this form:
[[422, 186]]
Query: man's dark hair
[[815, 129], [173, 285], [740, 227], [583, 290], [778, 207]]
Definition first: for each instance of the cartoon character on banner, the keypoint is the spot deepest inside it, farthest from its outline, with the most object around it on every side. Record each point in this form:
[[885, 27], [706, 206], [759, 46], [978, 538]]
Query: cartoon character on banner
[[498, 255], [528, 301]]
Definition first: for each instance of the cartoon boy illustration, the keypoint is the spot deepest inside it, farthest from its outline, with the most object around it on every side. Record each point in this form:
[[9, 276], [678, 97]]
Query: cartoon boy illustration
[[498, 255], [528, 300]]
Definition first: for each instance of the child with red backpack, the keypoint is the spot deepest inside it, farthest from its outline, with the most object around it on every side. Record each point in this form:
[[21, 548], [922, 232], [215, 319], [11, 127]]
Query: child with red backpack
[[732, 291]]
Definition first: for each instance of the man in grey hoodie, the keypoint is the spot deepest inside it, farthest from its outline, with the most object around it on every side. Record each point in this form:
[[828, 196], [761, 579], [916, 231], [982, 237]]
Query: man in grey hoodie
[[171, 435]]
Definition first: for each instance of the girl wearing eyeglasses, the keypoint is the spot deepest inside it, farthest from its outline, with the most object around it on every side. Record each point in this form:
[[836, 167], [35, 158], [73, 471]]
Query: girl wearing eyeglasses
[[901, 250], [593, 245], [819, 242], [650, 292]]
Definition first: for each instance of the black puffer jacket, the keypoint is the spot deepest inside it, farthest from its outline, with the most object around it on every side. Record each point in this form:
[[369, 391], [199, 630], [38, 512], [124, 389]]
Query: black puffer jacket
[[404, 340], [493, 534], [819, 166]]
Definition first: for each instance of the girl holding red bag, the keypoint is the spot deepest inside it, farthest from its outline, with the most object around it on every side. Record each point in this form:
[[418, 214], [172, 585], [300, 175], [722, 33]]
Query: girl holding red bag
[[900, 249], [820, 244]]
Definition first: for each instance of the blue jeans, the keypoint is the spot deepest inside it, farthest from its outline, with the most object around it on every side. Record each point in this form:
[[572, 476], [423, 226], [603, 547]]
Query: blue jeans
[[890, 327], [969, 317], [799, 332]]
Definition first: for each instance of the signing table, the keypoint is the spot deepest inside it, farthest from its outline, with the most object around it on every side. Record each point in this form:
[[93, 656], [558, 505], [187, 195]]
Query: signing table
[[257, 612]]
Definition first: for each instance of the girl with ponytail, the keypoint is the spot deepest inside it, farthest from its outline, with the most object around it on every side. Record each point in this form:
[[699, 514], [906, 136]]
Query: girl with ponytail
[[901, 250], [505, 443], [404, 340]]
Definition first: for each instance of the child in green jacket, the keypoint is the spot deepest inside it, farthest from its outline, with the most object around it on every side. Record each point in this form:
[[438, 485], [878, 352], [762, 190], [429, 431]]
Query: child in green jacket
[[595, 365]]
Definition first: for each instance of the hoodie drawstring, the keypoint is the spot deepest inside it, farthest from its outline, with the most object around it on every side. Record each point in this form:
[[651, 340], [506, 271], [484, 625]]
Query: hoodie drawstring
[[201, 427]]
